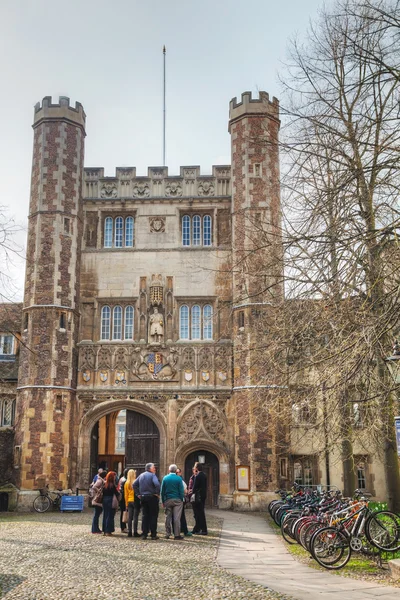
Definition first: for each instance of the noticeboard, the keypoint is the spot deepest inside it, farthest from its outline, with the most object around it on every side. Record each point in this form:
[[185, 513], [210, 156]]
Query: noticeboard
[[243, 478]]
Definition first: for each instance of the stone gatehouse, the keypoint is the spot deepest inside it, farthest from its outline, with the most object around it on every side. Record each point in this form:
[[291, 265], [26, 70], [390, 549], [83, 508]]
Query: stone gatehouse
[[146, 302]]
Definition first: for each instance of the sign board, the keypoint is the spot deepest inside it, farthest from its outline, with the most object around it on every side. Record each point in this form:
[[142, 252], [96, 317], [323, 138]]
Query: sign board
[[243, 478], [397, 426]]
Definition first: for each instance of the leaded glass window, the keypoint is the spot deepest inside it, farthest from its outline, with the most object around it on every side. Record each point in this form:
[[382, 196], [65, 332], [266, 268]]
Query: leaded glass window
[[6, 344], [129, 224], [207, 322], [184, 322], [207, 230], [186, 230], [119, 232], [7, 412], [105, 322], [196, 229], [196, 325], [108, 232], [129, 323], [117, 323]]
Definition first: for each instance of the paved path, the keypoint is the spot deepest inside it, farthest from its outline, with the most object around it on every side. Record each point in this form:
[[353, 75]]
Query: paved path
[[248, 547]]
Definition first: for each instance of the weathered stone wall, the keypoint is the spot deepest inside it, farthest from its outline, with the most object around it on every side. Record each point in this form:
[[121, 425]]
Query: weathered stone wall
[[48, 370]]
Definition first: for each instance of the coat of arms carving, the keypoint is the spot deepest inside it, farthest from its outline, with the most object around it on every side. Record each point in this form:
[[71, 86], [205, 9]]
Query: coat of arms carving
[[157, 224], [109, 190]]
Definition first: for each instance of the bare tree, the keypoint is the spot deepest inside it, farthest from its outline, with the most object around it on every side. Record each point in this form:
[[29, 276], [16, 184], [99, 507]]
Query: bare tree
[[342, 140]]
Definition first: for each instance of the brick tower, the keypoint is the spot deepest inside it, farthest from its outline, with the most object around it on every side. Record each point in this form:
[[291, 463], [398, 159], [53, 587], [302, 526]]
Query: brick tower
[[257, 287], [47, 375]]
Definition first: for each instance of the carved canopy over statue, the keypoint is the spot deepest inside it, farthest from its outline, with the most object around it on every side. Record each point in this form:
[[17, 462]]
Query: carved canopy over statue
[[156, 327]]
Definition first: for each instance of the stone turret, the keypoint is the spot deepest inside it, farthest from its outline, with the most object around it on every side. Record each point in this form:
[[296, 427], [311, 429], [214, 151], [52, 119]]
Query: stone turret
[[257, 283], [47, 376]]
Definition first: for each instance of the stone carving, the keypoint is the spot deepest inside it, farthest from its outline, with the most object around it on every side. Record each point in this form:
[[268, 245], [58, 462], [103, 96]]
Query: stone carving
[[104, 358], [190, 173], [92, 174], [157, 224], [205, 359], [158, 173], [188, 359], [223, 358], [202, 420], [141, 190], [206, 188], [156, 290], [121, 359], [156, 327], [155, 366], [173, 189], [88, 359], [125, 173], [223, 172], [109, 190]]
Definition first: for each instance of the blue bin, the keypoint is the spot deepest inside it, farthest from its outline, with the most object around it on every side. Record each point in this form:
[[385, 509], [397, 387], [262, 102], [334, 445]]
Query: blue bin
[[71, 503]]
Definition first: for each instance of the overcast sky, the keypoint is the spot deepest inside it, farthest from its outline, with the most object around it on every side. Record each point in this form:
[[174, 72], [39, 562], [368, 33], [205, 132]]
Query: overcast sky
[[108, 56]]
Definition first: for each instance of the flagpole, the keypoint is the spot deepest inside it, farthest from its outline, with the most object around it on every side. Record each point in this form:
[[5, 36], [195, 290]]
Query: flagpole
[[164, 53]]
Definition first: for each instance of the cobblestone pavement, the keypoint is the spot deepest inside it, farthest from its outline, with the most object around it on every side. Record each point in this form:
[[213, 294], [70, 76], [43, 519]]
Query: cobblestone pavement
[[55, 556]]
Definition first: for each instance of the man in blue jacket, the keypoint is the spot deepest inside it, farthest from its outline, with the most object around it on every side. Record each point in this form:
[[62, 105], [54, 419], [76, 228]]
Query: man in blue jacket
[[172, 499], [147, 489]]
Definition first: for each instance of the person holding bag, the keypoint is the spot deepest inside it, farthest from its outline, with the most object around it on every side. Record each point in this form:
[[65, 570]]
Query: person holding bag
[[111, 499], [96, 494], [132, 504]]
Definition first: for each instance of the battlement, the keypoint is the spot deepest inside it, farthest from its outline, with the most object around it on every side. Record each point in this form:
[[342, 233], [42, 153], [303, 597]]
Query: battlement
[[249, 105], [61, 111], [126, 184]]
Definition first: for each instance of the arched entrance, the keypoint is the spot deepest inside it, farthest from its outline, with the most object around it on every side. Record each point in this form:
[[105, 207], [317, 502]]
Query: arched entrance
[[210, 467], [124, 439]]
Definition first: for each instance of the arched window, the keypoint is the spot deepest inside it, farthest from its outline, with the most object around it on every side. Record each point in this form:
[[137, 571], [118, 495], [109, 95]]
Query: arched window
[[186, 230], [105, 322], [108, 232], [207, 322], [7, 412], [206, 230], [184, 322], [129, 323], [129, 223], [196, 229], [196, 322], [117, 323], [298, 473], [119, 231]]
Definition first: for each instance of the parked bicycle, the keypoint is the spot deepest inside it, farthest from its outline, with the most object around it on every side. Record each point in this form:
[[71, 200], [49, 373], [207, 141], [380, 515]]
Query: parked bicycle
[[331, 527], [47, 499]]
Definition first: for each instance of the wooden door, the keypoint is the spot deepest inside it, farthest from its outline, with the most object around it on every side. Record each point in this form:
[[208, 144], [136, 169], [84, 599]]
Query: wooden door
[[142, 442], [94, 451]]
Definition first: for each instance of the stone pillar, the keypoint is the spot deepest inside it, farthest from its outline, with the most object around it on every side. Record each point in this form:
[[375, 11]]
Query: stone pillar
[[257, 283], [48, 365]]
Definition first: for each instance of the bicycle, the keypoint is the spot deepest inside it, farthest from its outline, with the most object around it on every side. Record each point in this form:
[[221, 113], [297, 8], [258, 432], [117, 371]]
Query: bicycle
[[332, 546], [47, 499]]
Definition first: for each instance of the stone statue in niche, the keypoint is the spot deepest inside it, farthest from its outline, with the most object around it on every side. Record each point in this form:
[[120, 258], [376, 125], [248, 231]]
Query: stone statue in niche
[[156, 325]]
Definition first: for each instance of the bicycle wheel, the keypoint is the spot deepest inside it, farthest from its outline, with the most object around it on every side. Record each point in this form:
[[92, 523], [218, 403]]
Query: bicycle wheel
[[41, 504], [286, 528], [307, 531], [383, 530], [330, 548]]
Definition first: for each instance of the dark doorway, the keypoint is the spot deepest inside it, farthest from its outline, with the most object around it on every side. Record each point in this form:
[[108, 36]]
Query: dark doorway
[[210, 468], [142, 442], [3, 502], [94, 451]]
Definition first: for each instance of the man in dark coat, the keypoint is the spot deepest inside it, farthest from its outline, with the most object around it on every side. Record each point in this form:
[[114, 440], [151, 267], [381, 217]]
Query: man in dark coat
[[200, 495], [147, 488]]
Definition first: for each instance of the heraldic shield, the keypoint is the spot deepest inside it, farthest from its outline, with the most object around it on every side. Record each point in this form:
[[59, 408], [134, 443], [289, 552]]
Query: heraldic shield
[[154, 362]]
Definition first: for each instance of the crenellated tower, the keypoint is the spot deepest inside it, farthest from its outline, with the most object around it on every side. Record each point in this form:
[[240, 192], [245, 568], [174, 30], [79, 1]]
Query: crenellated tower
[[48, 366], [257, 285]]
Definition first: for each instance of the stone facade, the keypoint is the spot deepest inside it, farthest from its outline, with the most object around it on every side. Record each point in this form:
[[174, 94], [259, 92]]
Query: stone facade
[[154, 295]]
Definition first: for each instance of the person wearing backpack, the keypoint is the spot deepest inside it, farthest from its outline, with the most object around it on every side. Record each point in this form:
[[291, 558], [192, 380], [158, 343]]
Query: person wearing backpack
[[96, 494]]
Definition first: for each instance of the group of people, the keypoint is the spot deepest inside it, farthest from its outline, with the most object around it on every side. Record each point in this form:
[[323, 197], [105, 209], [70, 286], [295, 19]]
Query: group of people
[[143, 493]]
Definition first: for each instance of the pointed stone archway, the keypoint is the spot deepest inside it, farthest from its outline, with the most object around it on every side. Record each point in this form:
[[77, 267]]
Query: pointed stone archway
[[100, 410]]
